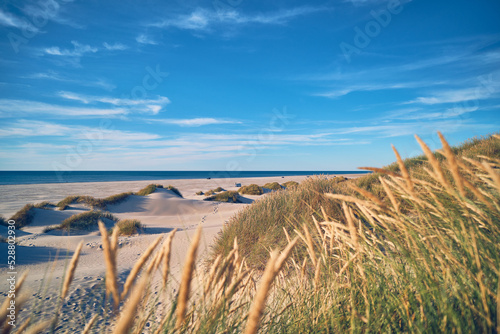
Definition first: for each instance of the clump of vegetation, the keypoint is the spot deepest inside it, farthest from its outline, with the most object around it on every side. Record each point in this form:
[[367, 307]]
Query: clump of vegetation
[[213, 191], [199, 193], [149, 189], [226, 196], [272, 186], [252, 189], [44, 205], [290, 184], [85, 221], [129, 227], [63, 204], [175, 190], [116, 199], [24, 216]]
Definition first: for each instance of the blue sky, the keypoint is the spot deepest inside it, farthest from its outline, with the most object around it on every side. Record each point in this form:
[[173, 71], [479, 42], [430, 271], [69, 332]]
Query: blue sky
[[239, 84]]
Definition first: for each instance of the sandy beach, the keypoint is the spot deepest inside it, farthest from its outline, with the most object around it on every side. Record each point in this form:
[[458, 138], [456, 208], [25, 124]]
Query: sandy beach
[[45, 255]]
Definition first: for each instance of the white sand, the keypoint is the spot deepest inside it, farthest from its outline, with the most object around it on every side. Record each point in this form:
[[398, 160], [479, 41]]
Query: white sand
[[160, 212]]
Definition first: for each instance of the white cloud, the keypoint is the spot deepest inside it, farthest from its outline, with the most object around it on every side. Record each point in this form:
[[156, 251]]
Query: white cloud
[[52, 75], [116, 46], [78, 50], [457, 95], [9, 20], [152, 105], [144, 39], [202, 19], [15, 108], [192, 122], [33, 128]]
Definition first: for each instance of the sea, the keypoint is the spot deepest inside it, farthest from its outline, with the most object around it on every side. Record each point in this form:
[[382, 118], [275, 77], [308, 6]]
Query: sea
[[39, 177]]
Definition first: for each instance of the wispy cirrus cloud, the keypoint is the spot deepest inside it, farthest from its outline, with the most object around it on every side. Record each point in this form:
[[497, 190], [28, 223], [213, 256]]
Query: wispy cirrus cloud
[[203, 19], [78, 50], [15, 108], [115, 46], [457, 95], [195, 122], [52, 75], [34, 128], [9, 20], [145, 39], [152, 105]]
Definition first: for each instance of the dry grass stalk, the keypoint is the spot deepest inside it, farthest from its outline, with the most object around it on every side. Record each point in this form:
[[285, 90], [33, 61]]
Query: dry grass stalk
[[187, 275], [167, 249], [212, 272], [38, 328], [71, 270], [89, 325], [435, 165], [127, 316], [368, 195], [404, 171], [352, 227], [273, 267], [452, 164], [114, 241], [259, 301], [110, 259], [390, 194], [381, 171], [24, 325], [138, 265]]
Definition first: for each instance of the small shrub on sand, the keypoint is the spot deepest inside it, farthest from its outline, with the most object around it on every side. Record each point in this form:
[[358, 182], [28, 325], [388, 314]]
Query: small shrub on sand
[[213, 191], [85, 220], [199, 193], [175, 190], [272, 186], [226, 196], [252, 189], [24, 216], [290, 184], [129, 227], [149, 189]]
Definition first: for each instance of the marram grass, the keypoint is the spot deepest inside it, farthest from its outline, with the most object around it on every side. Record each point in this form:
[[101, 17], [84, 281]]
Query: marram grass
[[419, 252]]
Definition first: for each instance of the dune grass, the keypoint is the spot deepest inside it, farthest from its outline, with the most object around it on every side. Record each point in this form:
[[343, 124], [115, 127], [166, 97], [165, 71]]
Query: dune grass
[[175, 190], [423, 258], [24, 216], [199, 193], [213, 191], [252, 189], [84, 221], [272, 186], [128, 227], [149, 189], [225, 196], [290, 184]]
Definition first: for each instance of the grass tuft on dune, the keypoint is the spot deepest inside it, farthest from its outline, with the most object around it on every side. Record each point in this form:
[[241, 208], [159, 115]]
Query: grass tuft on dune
[[129, 227], [252, 189], [84, 221], [226, 196], [272, 186]]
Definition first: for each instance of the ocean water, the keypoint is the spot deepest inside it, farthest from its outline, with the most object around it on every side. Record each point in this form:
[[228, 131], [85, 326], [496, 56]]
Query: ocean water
[[37, 177]]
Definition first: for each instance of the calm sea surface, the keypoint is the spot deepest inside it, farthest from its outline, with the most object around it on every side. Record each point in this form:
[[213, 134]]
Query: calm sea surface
[[35, 177]]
